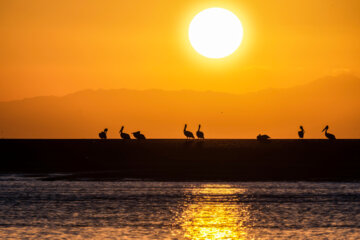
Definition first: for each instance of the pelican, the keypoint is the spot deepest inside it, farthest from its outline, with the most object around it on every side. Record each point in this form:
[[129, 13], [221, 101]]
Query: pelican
[[262, 138], [188, 134], [124, 135], [328, 135], [138, 135], [199, 133], [301, 132], [102, 134]]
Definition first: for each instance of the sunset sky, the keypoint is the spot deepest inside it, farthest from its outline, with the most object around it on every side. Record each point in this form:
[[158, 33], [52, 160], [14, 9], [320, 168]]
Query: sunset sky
[[59, 47], [55, 48]]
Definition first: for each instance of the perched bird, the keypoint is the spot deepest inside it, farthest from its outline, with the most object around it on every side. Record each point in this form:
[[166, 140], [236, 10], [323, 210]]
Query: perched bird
[[199, 133], [188, 134], [328, 135], [102, 134], [138, 135], [124, 135], [262, 138], [301, 132]]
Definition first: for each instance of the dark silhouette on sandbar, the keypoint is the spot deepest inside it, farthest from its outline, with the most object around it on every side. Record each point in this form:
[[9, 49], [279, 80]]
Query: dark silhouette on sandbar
[[301, 132], [199, 133], [138, 135], [328, 135], [188, 134], [263, 138], [102, 134], [124, 135]]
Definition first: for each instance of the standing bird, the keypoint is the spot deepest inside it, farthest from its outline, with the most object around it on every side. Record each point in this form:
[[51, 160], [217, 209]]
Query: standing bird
[[199, 133], [102, 134], [188, 134], [328, 135], [138, 135], [301, 132], [124, 135]]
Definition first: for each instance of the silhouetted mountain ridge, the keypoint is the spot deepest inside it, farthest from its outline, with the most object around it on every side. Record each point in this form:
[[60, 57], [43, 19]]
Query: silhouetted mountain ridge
[[159, 113]]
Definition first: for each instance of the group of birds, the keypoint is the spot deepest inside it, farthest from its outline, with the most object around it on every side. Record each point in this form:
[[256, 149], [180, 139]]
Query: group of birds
[[329, 136], [189, 134], [140, 136], [137, 134], [301, 133], [200, 134]]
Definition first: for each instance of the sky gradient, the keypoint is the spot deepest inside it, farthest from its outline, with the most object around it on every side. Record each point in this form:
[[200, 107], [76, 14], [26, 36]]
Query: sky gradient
[[59, 47]]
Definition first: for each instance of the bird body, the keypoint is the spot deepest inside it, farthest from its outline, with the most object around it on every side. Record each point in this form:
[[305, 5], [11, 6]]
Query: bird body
[[199, 134], [328, 135], [124, 135], [138, 135], [262, 138], [188, 134], [301, 132], [102, 134]]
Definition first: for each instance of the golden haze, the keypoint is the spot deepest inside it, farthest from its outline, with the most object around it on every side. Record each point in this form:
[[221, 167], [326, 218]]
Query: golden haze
[[55, 48]]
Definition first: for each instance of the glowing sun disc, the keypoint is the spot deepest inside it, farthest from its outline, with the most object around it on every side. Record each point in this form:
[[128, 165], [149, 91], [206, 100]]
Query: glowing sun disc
[[215, 32]]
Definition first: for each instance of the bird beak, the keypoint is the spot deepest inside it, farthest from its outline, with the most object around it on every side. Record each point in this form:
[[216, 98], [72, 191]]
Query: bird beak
[[323, 130]]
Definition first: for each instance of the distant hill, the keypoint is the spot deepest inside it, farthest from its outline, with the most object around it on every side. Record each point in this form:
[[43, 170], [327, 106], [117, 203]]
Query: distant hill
[[161, 114]]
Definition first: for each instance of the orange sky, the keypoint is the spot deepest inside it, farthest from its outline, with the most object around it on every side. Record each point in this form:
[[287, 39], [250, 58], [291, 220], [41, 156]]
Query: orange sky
[[306, 53], [59, 47]]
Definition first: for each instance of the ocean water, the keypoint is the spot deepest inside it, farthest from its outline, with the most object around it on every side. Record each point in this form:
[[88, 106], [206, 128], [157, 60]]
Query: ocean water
[[34, 209]]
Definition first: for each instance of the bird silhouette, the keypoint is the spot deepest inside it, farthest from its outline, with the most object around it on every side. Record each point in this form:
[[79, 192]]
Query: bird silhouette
[[188, 134], [301, 132], [262, 138], [199, 133], [124, 135], [102, 134], [328, 135], [138, 135]]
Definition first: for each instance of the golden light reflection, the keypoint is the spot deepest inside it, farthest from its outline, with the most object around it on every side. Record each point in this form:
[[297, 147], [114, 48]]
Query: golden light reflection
[[215, 213]]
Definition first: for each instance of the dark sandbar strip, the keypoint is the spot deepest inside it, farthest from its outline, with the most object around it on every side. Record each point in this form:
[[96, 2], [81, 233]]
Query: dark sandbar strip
[[181, 160]]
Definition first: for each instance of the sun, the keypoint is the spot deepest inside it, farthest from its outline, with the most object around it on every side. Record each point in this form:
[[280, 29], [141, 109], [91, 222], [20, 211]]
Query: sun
[[215, 32]]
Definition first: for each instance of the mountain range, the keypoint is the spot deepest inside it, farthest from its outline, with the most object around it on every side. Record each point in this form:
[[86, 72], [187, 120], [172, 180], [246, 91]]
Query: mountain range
[[333, 101]]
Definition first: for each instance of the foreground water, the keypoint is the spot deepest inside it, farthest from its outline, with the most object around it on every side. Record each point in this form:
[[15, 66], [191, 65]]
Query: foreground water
[[33, 209]]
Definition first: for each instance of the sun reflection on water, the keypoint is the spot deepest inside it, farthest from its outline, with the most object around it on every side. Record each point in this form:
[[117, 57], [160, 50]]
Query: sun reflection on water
[[214, 213]]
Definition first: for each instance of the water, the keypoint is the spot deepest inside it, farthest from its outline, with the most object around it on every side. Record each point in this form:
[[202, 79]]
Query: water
[[33, 209]]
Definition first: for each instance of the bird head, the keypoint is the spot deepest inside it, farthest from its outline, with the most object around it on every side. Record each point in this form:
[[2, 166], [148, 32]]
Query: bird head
[[105, 130], [326, 128], [301, 127]]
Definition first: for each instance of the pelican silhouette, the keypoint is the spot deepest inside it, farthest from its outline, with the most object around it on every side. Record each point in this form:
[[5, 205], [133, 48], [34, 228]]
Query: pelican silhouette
[[138, 135], [199, 133], [102, 134], [328, 135], [124, 135], [262, 138], [188, 134], [301, 132]]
